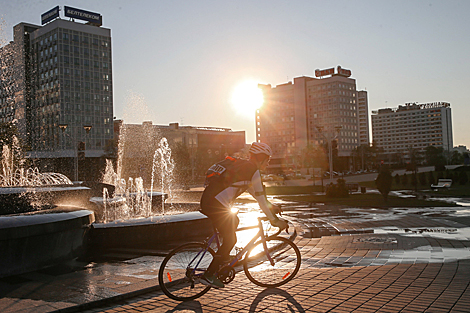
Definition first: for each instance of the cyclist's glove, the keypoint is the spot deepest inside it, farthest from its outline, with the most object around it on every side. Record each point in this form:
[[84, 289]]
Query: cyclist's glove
[[282, 224]]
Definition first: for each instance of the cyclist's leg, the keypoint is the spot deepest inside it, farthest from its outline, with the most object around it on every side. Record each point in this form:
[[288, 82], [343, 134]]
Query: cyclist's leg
[[226, 222]]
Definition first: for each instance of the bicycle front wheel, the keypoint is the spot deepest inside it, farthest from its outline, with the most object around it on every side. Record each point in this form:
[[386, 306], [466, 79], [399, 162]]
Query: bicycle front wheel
[[181, 270], [286, 262]]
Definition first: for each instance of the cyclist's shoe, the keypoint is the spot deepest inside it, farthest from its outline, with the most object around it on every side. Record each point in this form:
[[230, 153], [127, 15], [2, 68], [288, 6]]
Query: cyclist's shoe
[[282, 224], [211, 280]]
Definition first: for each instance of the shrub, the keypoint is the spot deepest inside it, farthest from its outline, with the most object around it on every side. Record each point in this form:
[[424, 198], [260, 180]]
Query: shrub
[[422, 179], [431, 179], [404, 179], [397, 179], [439, 168], [338, 190], [384, 182], [463, 178]]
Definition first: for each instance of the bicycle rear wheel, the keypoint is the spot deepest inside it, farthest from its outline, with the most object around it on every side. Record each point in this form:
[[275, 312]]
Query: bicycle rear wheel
[[286, 258], [177, 277]]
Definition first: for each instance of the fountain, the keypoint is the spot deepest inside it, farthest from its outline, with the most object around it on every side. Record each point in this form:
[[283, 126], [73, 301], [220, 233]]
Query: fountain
[[136, 216], [43, 217]]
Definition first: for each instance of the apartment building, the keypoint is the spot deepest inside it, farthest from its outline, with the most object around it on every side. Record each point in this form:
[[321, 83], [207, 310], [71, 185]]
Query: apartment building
[[311, 111], [413, 126]]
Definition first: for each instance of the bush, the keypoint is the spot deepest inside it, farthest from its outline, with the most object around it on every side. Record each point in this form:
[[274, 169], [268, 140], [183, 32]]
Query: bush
[[414, 180], [404, 179], [384, 182], [422, 179], [338, 190], [397, 179], [439, 168], [463, 178], [431, 179]]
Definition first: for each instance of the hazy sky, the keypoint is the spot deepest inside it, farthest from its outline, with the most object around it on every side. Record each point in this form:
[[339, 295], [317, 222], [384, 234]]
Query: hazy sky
[[178, 61]]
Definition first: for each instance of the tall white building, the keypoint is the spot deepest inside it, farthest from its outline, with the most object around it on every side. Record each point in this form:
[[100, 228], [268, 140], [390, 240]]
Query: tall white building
[[413, 126]]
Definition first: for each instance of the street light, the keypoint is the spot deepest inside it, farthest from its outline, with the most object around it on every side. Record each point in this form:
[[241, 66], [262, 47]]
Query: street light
[[87, 129], [63, 127], [330, 139]]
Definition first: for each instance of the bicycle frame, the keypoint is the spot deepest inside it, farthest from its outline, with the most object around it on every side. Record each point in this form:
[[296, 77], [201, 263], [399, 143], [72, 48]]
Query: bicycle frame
[[240, 254]]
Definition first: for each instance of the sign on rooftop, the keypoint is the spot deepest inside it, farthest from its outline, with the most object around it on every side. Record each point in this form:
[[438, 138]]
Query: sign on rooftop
[[91, 17], [50, 15], [331, 71]]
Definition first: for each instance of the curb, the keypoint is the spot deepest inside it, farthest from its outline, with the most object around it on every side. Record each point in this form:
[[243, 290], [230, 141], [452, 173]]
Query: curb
[[102, 302]]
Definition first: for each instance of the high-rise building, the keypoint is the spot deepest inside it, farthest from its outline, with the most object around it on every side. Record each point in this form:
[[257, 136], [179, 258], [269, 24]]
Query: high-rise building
[[60, 87], [310, 111], [363, 114], [414, 126]]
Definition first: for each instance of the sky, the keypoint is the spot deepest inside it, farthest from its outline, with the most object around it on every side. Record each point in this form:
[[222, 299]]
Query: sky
[[180, 61]]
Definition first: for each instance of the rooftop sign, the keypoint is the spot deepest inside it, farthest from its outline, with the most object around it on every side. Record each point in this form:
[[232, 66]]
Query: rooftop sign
[[50, 15], [320, 73], [343, 72], [94, 18], [331, 71]]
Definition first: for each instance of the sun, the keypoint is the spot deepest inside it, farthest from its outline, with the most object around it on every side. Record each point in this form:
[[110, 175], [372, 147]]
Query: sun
[[247, 98]]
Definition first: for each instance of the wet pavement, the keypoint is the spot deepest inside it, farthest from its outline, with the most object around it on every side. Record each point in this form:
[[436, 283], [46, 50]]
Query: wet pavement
[[353, 259]]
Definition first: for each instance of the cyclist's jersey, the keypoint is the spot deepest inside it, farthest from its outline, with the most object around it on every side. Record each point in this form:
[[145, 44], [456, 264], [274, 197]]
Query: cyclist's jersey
[[244, 176]]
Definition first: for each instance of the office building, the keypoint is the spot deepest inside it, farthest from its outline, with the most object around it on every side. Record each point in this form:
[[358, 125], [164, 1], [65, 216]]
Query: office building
[[60, 88], [413, 126], [311, 111], [205, 145], [363, 117]]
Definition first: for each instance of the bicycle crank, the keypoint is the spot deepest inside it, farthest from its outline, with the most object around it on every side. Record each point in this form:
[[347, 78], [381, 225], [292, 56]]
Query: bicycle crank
[[226, 274]]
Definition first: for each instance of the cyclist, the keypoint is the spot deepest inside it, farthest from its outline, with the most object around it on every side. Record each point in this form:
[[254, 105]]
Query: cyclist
[[227, 180]]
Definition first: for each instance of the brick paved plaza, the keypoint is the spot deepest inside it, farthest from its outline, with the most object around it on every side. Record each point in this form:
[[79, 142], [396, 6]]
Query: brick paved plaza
[[415, 263]]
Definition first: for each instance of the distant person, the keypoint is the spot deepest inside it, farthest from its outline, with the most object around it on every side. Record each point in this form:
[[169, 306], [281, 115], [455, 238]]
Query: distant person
[[225, 181]]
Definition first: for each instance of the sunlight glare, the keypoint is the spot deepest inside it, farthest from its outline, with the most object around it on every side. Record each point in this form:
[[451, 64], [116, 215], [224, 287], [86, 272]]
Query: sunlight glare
[[247, 98]]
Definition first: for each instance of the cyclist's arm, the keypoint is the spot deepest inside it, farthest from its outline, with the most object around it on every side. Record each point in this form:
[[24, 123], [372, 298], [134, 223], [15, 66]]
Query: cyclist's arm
[[257, 191]]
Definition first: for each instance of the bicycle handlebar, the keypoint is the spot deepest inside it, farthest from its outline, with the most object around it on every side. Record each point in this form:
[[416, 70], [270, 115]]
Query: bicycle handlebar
[[265, 218]]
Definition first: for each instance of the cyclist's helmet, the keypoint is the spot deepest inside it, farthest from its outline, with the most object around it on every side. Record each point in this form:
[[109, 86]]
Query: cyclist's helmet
[[260, 148]]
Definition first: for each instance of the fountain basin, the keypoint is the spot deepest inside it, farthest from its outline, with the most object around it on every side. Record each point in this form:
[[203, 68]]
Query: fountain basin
[[14, 200], [148, 233], [35, 240]]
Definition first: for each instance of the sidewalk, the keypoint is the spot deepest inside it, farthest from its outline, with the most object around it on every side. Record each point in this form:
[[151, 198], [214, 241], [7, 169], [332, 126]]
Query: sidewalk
[[416, 263]]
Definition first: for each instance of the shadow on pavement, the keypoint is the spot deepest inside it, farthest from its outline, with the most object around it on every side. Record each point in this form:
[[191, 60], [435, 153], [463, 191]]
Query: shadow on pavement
[[273, 298], [188, 306]]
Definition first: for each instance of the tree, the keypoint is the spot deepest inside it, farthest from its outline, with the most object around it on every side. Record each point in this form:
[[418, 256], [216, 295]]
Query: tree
[[463, 178], [384, 182], [435, 156], [397, 179], [456, 157], [314, 156], [431, 179], [404, 180], [422, 179]]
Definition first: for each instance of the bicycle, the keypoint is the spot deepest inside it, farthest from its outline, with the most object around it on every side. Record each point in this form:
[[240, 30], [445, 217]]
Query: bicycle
[[267, 263]]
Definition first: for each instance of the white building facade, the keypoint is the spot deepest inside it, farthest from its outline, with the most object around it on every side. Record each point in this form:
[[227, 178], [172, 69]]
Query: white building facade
[[413, 126]]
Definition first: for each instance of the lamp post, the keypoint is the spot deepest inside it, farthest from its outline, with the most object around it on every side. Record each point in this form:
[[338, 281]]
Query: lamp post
[[87, 129], [63, 127], [329, 138]]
